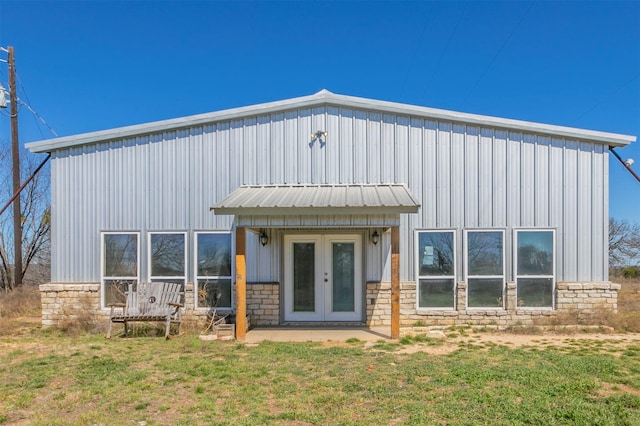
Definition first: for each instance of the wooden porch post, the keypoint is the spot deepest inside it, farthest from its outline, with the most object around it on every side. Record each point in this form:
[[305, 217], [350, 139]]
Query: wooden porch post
[[395, 282], [241, 284]]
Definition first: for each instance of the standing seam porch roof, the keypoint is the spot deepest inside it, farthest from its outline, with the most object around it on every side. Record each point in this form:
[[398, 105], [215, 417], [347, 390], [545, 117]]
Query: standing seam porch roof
[[324, 97], [318, 199]]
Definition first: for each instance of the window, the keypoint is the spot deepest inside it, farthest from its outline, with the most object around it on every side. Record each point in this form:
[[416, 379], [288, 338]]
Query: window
[[120, 265], [167, 257], [485, 269], [535, 268], [213, 270], [436, 269]]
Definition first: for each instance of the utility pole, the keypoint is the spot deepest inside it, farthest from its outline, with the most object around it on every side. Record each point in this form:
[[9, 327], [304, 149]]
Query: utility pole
[[15, 153]]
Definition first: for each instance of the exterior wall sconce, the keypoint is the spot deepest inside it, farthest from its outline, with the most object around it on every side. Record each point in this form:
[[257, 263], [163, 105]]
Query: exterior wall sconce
[[264, 238], [319, 134], [375, 237]]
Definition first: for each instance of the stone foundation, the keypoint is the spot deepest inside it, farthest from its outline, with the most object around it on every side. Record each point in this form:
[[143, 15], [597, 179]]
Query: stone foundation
[[263, 303], [62, 302], [574, 300]]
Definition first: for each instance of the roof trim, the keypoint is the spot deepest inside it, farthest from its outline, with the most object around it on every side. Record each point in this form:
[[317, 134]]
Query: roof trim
[[324, 97], [284, 200]]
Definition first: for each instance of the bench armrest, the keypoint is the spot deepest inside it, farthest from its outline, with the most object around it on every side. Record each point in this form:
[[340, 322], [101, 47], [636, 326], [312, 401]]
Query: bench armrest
[[179, 305], [117, 305]]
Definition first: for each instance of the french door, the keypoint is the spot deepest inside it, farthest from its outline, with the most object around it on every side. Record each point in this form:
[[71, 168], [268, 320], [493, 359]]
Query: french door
[[323, 277]]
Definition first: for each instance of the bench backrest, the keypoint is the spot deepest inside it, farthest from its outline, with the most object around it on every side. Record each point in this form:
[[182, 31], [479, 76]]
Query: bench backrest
[[152, 299]]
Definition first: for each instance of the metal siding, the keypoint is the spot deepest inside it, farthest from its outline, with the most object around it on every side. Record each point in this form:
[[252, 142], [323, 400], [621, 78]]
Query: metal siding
[[345, 147], [528, 180], [570, 225], [598, 231], [556, 200], [485, 179], [463, 177], [319, 152], [499, 172], [443, 179], [513, 189], [605, 212], [250, 154], [457, 175], [430, 176], [360, 147], [277, 147], [291, 147], [541, 197], [373, 156], [388, 147], [333, 154], [584, 219], [302, 146], [471, 175]]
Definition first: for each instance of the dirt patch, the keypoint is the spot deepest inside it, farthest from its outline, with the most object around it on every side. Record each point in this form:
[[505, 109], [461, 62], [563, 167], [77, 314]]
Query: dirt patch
[[487, 340]]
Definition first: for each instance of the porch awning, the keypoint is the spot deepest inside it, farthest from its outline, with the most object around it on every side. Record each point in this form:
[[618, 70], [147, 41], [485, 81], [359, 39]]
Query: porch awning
[[318, 199]]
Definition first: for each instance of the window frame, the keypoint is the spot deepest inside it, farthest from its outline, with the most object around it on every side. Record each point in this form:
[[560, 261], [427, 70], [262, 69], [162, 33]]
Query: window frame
[[419, 277], [160, 278], [516, 276], [103, 277], [197, 277], [467, 276]]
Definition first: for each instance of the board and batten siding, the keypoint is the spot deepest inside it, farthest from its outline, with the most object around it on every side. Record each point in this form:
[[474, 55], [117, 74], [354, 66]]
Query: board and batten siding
[[464, 177]]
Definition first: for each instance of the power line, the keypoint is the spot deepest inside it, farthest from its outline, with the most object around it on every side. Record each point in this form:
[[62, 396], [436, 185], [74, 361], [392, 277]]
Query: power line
[[435, 69], [424, 28], [606, 97], [36, 115], [39, 117], [473, 88]]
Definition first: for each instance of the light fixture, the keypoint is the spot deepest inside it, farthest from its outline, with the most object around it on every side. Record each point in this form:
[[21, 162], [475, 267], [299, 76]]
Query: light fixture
[[264, 238], [319, 134], [629, 162], [375, 237]]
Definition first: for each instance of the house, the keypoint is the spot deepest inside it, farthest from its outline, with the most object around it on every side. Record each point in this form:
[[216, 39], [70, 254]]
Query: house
[[334, 209]]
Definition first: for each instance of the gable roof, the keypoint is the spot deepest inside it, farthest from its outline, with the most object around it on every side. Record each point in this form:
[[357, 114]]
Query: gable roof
[[325, 97]]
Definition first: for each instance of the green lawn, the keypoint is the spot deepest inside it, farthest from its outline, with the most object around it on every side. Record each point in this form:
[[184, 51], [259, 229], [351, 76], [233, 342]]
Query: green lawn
[[53, 379]]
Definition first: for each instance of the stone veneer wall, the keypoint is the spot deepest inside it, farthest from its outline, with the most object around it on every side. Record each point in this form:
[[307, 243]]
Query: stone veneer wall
[[62, 302], [580, 299], [263, 303]]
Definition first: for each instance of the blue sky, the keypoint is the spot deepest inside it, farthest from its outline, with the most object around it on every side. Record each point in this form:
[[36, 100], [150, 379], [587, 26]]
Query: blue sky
[[93, 65]]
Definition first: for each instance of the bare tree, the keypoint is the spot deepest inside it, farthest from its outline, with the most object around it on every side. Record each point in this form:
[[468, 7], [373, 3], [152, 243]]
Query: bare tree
[[36, 223], [624, 242]]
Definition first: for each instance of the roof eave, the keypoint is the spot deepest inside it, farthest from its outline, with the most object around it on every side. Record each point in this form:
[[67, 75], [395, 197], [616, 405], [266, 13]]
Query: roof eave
[[307, 211], [327, 98]]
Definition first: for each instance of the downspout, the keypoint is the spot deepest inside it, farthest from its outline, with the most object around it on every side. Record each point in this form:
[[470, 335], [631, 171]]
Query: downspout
[[15, 195], [626, 166]]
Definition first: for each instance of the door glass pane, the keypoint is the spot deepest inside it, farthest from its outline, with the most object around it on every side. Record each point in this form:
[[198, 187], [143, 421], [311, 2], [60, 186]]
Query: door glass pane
[[304, 277], [343, 294]]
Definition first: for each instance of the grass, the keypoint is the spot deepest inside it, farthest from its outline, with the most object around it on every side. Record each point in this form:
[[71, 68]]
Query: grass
[[87, 380], [48, 377]]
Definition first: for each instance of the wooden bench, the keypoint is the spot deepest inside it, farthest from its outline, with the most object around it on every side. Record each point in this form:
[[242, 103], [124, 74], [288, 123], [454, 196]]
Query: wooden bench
[[149, 302]]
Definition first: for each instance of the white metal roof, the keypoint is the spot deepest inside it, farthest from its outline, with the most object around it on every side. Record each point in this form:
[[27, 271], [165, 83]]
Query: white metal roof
[[324, 97], [318, 199]]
